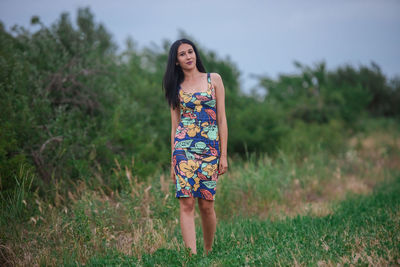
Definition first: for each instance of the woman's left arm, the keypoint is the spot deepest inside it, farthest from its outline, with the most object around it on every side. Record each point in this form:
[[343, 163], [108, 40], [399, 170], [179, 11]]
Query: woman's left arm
[[222, 123]]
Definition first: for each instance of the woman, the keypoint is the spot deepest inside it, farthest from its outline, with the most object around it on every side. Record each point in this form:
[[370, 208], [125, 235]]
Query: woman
[[199, 136]]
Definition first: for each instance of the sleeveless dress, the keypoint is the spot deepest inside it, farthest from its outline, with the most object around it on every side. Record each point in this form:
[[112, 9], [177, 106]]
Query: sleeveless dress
[[196, 145]]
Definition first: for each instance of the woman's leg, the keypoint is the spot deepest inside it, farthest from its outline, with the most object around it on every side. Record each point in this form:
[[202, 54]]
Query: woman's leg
[[187, 222], [208, 221]]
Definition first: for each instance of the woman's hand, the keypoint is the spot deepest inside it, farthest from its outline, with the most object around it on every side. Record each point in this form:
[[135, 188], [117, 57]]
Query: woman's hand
[[223, 165]]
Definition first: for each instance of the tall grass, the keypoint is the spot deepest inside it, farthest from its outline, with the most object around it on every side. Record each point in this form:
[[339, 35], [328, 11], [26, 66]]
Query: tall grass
[[14, 202], [257, 203]]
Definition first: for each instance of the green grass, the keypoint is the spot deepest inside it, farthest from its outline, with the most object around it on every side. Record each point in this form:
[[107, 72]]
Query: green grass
[[363, 230], [322, 209]]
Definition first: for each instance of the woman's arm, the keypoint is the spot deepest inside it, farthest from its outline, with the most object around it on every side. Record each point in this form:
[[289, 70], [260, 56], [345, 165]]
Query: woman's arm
[[221, 120], [175, 118]]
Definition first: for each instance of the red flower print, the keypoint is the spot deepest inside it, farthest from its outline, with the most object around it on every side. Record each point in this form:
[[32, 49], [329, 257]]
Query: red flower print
[[190, 115], [202, 176], [202, 97], [182, 133], [214, 152], [206, 194], [186, 192], [211, 113]]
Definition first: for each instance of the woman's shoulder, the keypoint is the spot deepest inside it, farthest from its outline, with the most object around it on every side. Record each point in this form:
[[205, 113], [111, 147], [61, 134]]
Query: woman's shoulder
[[216, 79], [215, 75]]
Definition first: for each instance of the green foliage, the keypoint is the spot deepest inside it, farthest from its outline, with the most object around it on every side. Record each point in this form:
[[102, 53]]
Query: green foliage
[[306, 138], [14, 202], [255, 127], [72, 106], [318, 95]]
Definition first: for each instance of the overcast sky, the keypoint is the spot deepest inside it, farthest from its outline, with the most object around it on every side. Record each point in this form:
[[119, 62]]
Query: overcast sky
[[261, 37]]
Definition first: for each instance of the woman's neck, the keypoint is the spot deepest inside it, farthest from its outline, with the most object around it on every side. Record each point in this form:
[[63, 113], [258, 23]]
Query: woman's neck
[[191, 74]]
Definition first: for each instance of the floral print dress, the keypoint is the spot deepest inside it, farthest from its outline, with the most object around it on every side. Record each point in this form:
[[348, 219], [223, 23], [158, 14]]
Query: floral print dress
[[196, 145]]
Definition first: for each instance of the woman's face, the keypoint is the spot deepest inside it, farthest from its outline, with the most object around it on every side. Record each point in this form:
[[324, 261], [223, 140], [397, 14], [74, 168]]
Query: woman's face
[[186, 57]]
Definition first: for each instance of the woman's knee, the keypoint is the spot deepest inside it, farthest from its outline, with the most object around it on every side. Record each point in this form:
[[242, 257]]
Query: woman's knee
[[206, 206], [187, 204]]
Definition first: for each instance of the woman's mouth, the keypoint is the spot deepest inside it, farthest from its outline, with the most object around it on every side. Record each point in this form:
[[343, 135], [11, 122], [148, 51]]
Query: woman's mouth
[[189, 62]]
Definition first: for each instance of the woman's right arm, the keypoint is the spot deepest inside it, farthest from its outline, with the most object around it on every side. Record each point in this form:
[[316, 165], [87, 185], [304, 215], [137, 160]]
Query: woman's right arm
[[175, 119]]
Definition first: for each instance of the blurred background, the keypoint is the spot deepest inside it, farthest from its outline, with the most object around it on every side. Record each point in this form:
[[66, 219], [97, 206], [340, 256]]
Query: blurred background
[[261, 37], [312, 100]]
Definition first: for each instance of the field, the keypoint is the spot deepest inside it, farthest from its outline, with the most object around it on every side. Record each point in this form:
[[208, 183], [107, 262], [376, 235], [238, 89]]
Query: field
[[323, 211], [85, 146]]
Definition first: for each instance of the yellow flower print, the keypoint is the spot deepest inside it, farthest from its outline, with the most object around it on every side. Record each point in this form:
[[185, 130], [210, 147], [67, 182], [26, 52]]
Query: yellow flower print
[[197, 183], [210, 168], [210, 158], [193, 129], [189, 167], [203, 133], [198, 108], [186, 97], [198, 105], [182, 182]]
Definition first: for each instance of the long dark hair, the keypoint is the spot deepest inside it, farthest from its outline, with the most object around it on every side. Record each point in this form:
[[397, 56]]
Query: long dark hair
[[174, 76]]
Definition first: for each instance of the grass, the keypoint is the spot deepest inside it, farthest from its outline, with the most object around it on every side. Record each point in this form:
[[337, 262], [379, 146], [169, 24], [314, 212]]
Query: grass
[[321, 210], [363, 230]]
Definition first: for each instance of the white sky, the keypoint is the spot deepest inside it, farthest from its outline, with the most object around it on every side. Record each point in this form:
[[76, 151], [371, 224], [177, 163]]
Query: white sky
[[261, 37]]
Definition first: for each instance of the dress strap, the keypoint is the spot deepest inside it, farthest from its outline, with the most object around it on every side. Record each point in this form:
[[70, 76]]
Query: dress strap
[[209, 81]]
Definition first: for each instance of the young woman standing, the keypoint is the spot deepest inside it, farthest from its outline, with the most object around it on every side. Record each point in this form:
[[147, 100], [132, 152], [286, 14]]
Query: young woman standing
[[199, 136]]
